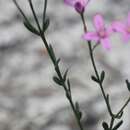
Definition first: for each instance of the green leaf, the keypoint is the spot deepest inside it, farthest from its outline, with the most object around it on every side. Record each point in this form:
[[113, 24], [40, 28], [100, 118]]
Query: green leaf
[[31, 28], [58, 60], [80, 114], [57, 80], [118, 125], [20, 10], [68, 83], [65, 75], [46, 24], [94, 79], [78, 110], [102, 76], [105, 126], [128, 84]]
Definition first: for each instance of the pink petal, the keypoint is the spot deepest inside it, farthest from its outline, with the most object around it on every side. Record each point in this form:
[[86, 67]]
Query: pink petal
[[84, 2], [91, 36], [106, 43], [70, 2], [128, 19], [98, 22], [118, 27]]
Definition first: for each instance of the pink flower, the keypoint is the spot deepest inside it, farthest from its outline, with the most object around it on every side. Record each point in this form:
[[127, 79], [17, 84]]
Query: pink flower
[[79, 5], [123, 28], [102, 33]]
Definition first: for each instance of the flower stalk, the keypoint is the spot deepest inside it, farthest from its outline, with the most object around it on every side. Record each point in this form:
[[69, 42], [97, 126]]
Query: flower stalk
[[60, 79], [97, 78]]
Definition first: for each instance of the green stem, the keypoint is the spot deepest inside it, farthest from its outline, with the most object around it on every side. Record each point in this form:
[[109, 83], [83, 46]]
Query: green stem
[[106, 97], [44, 11], [20, 10], [35, 16], [112, 123], [121, 110], [69, 97], [84, 23], [57, 69], [75, 112], [64, 85], [95, 68], [97, 75]]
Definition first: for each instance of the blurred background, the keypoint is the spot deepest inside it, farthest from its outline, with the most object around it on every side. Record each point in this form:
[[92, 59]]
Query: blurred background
[[29, 99]]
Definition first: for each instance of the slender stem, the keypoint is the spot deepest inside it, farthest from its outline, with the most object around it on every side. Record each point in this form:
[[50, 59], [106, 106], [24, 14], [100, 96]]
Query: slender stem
[[84, 23], [94, 66], [64, 85], [47, 46], [97, 74], [48, 50], [75, 112], [106, 97], [20, 10], [57, 69], [35, 16], [121, 110], [94, 47], [44, 11], [112, 123]]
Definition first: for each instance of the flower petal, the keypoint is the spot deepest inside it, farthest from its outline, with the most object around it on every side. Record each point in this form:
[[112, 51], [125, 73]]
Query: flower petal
[[91, 36], [84, 2], [128, 19], [118, 27], [106, 43], [70, 2], [98, 22]]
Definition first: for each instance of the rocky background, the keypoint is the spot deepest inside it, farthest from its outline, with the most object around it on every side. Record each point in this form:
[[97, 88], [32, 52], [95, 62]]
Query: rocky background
[[29, 99]]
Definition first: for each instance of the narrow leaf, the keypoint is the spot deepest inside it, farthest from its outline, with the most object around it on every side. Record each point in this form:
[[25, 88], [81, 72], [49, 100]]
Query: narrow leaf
[[58, 61], [57, 80], [78, 110], [46, 24], [118, 125], [65, 75], [68, 83], [102, 76], [80, 115], [105, 126], [128, 84], [94, 79], [31, 28]]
